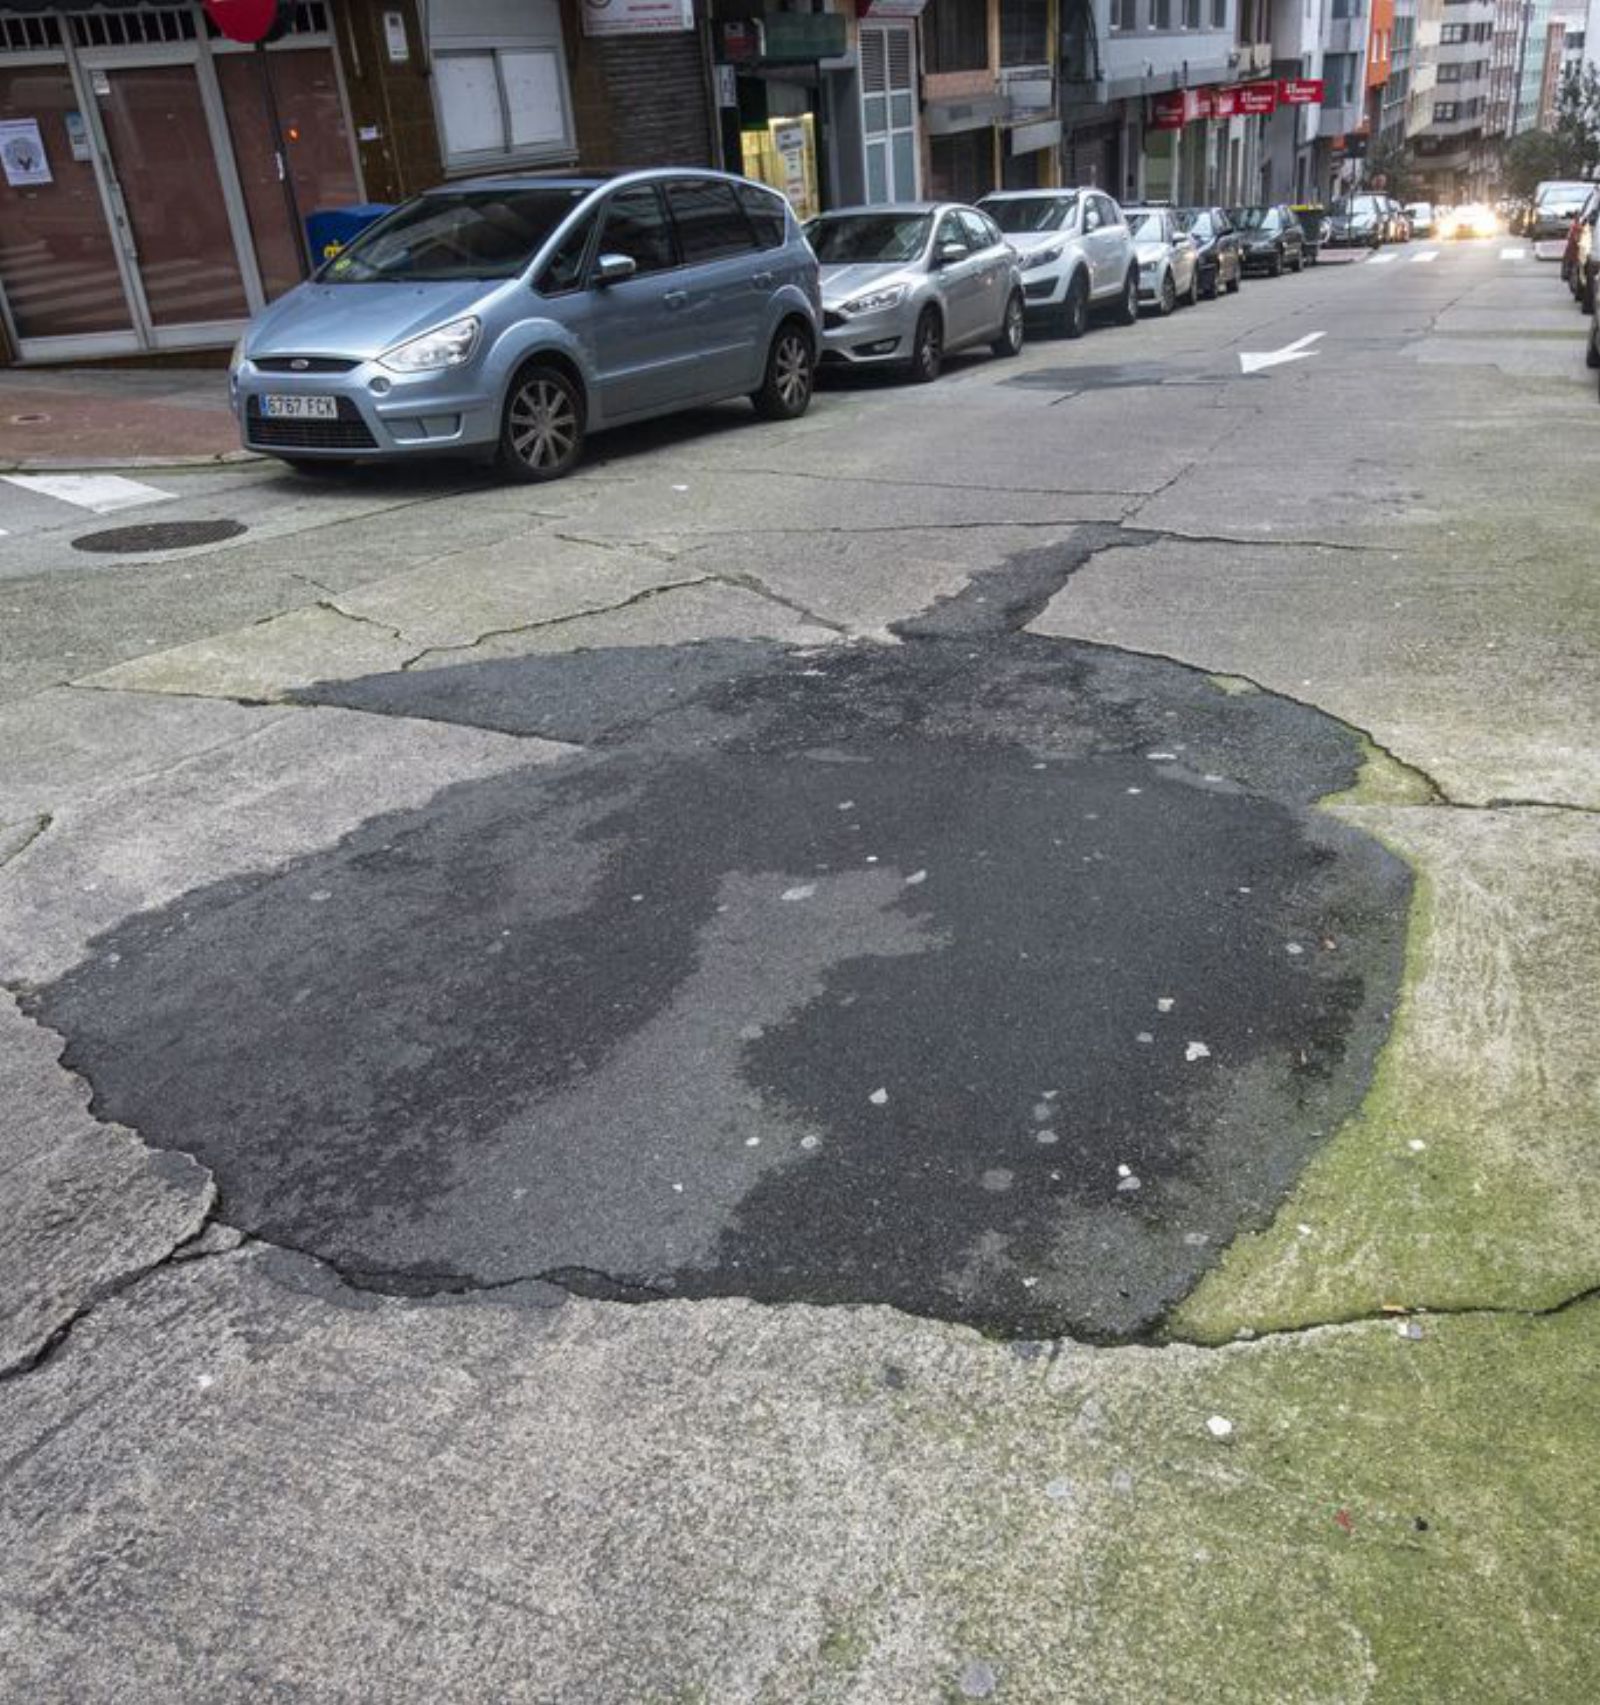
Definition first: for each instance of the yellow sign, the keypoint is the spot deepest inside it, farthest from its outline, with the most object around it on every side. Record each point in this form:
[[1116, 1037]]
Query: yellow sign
[[784, 155]]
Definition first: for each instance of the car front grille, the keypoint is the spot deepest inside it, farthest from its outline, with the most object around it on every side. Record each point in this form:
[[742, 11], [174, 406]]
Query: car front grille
[[348, 432], [302, 364]]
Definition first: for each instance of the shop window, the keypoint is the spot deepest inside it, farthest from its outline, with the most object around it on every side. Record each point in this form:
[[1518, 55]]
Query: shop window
[[708, 220], [961, 166], [955, 35], [502, 102], [1024, 32]]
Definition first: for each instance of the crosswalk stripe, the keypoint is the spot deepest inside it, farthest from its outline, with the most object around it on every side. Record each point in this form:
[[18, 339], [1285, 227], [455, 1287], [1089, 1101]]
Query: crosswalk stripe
[[1383, 260], [1426, 255], [103, 493], [1513, 254]]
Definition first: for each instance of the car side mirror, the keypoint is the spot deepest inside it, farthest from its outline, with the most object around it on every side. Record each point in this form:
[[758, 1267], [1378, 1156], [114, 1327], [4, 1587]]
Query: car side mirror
[[612, 269], [950, 253]]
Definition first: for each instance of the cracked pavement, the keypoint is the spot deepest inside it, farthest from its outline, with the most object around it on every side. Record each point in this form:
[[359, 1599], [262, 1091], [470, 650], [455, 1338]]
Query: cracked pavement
[[357, 1343]]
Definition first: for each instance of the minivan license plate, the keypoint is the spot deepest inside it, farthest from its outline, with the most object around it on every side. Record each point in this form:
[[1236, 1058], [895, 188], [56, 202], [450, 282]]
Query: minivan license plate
[[300, 408]]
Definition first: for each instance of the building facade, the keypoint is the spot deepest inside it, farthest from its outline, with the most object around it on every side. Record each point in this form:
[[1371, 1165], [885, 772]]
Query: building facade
[[1456, 152]]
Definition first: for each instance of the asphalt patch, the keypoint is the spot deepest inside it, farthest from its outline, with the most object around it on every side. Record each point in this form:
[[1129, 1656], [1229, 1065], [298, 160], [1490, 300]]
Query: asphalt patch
[[1000, 978]]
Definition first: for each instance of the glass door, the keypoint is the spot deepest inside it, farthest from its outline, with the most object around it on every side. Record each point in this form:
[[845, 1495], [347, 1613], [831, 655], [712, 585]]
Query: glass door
[[889, 111], [58, 260], [167, 195]]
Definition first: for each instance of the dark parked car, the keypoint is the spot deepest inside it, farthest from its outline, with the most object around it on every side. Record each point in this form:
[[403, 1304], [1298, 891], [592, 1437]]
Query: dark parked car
[[1270, 239], [1582, 269], [1221, 267]]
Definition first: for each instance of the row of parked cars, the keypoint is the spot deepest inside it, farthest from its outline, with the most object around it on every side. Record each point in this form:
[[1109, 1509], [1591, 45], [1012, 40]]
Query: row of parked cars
[[510, 317], [1580, 251]]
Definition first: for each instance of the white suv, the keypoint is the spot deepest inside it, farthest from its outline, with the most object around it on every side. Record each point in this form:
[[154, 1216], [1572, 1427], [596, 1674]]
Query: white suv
[[1074, 251]]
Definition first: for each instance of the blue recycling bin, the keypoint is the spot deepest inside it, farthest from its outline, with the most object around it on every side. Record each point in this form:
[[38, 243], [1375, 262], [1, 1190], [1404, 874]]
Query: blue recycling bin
[[330, 228]]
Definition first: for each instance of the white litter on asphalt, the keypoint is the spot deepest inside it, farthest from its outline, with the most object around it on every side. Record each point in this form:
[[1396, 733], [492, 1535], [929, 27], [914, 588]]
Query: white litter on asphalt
[[1416, 1145], [1124, 1172], [1197, 1051], [879, 1098], [916, 878], [803, 892], [1164, 1004], [1294, 947], [1426, 255], [1145, 1037], [1219, 1426], [1162, 757], [103, 493], [1130, 1183]]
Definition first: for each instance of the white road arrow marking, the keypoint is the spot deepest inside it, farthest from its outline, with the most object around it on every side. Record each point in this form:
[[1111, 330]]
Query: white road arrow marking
[[1296, 351], [1427, 254]]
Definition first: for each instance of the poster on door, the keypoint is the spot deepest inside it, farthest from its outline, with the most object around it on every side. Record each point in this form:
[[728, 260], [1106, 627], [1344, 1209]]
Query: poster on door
[[22, 153]]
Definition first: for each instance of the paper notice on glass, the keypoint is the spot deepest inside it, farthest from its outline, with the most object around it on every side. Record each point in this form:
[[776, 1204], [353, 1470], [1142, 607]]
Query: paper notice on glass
[[77, 135], [22, 153]]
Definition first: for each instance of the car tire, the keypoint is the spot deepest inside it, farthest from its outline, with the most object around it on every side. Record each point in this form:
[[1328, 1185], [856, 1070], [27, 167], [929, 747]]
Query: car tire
[[1167, 296], [1012, 329], [1275, 265], [1299, 261], [1192, 299], [1236, 280], [1128, 303], [1586, 300], [541, 425], [1075, 310], [790, 376], [1214, 289], [1591, 354], [927, 348]]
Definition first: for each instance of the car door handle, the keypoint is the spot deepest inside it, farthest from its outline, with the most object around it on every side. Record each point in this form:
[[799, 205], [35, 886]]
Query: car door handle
[[675, 298]]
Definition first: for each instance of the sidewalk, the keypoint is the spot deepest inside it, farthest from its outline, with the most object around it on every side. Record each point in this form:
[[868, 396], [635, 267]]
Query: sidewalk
[[115, 417]]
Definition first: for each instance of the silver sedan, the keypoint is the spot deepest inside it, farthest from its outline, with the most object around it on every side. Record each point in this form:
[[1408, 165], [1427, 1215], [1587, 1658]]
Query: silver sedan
[[904, 285], [1169, 260]]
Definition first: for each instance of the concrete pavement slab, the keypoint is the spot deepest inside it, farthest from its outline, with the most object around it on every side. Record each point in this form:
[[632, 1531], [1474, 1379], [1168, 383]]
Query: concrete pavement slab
[[294, 782], [1469, 1178], [88, 1206], [446, 1503]]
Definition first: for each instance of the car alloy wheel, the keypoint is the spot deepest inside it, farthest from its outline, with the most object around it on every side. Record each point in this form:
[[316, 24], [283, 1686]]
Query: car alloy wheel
[[1169, 294], [927, 351], [785, 392], [1193, 295], [1009, 341], [1128, 307], [542, 436]]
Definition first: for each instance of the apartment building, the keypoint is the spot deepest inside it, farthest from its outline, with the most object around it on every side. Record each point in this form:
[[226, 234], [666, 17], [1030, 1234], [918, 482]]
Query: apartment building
[[1456, 151]]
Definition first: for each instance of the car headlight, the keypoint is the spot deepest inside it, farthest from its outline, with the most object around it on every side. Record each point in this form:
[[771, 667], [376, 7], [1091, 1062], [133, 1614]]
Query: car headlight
[[444, 346], [236, 358], [1041, 257], [874, 300]]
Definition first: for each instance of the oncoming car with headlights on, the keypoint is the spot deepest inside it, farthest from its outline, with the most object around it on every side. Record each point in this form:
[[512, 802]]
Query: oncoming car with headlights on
[[907, 284], [508, 317]]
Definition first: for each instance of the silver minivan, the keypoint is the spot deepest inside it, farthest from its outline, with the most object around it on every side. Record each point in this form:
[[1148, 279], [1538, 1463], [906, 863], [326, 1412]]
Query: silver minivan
[[510, 316]]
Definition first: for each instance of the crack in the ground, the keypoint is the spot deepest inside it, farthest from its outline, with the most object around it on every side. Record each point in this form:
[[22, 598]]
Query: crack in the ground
[[641, 597], [29, 831]]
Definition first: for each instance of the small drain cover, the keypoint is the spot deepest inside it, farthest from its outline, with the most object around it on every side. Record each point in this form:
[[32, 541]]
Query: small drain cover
[[160, 536]]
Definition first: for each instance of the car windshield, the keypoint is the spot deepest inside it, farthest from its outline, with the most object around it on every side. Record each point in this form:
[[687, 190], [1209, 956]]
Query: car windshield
[[1564, 202], [1031, 213], [1145, 227], [1256, 218], [479, 233], [847, 239], [1197, 225]]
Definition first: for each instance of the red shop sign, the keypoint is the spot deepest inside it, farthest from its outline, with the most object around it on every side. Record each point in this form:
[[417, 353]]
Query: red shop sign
[[247, 20], [1224, 102], [1300, 91], [1171, 111], [1256, 98]]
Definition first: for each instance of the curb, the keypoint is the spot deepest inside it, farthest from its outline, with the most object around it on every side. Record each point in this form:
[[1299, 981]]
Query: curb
[[100, 464]]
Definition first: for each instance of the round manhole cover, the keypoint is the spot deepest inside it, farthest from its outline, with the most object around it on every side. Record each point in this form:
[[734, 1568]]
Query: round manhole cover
[[160, 536]]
